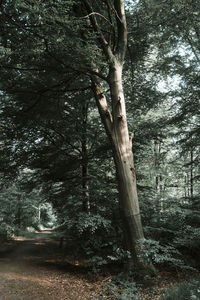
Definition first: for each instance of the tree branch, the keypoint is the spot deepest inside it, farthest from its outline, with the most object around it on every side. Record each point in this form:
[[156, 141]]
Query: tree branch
[[104, 43], [122, 29], [98, 14], [101, 101]]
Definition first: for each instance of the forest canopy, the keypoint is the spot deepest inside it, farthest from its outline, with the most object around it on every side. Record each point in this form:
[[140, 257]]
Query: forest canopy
[[85, 86]]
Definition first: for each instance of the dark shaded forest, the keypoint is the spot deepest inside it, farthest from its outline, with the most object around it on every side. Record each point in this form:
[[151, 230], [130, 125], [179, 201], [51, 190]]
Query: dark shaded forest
[[94, 95]]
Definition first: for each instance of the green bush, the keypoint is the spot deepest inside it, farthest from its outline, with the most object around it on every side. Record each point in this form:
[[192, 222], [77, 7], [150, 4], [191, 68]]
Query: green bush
[[120, 288], [6, 232], [185, 291], [156, 253], [173, 235], [27, 233], [93, 237]]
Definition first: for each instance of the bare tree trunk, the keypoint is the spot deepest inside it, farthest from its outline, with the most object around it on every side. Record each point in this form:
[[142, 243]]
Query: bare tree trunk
[[123, 157], [116, 126], [117, 130], [84, 164], [185, 186], [188, 185], [39, 213], [19, 211], [191, 174]]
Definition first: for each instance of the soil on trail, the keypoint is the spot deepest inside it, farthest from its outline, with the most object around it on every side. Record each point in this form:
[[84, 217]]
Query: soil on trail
[[33, 269], [36, 269]]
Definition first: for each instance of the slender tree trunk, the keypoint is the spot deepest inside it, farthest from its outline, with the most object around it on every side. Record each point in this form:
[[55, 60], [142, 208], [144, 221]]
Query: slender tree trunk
[[158, 179], [191, 174], [185, 187], [188, 185], [84, 147], [39, 213], [19, 211]]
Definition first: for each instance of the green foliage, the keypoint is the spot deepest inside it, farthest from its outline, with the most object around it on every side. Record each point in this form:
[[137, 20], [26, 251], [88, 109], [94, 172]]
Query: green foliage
[[120, 288], [94, 238], [6, 232], [21, 210], [173, 236], [29, 232], [154, 252], [188, 290], [45, 82]]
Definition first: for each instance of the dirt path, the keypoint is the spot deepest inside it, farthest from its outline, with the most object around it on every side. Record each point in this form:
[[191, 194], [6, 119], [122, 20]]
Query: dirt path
[[32, 269]]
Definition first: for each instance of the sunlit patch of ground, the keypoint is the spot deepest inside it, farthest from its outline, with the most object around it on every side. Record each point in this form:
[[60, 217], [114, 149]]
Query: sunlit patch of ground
[[21, 238]]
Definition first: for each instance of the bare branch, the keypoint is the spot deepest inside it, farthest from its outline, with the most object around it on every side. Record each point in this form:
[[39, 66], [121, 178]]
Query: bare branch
[[122, 29], [98, 14], [101, 101], [104, 43]]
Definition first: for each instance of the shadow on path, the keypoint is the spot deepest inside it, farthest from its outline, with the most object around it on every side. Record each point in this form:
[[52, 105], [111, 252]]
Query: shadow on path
[[32, 268]]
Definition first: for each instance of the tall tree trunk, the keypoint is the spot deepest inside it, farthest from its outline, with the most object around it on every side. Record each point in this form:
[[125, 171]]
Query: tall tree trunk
[[39, 213], [185, 186], [116, 126], [19, 211], [157, 150], [117, 130], [84, 164], [158, 177], [123, 157], [191, 174], [188, 185]]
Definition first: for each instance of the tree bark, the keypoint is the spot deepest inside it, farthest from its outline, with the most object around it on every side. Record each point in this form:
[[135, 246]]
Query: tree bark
[[117, 130], [84, 163], [115, 123], [191, 174], [123, 157]]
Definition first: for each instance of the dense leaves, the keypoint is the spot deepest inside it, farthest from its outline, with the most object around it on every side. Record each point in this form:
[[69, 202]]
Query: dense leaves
[[52, 142]]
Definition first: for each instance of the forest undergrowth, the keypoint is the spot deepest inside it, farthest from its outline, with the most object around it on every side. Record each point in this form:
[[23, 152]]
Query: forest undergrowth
[[36, 268]]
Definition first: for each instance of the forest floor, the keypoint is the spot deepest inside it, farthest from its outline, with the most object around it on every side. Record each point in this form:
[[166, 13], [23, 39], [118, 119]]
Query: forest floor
[[35, 269]]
